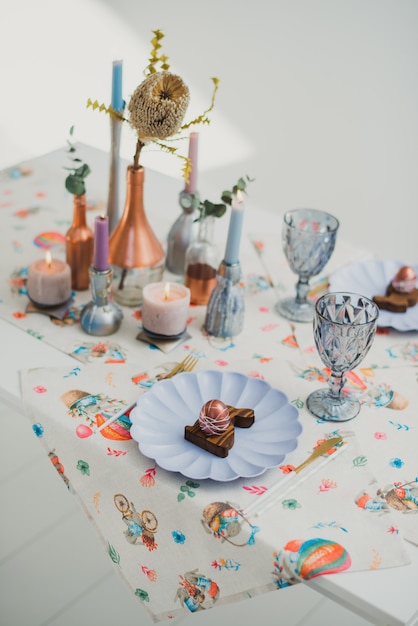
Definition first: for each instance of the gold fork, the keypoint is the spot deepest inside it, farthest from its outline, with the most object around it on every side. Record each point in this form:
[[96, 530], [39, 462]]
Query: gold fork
[[187, 365]]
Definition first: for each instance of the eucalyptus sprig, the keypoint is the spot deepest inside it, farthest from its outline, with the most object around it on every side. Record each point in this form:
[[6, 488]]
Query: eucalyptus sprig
[[240, 186], [74, 183], [207, 208]]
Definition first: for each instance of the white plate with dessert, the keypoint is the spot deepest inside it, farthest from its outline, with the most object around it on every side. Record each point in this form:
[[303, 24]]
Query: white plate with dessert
[[176, 424], [393, 285]]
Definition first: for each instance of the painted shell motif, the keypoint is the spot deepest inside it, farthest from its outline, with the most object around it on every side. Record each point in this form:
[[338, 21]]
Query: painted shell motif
[[303, 560]]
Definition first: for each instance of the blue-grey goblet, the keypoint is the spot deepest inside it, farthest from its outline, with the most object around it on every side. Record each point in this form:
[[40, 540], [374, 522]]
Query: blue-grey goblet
[[344, 327], [308, 239]]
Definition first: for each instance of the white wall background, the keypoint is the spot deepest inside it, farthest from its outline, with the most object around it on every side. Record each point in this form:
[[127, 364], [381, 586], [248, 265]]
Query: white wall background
[[318, 99]]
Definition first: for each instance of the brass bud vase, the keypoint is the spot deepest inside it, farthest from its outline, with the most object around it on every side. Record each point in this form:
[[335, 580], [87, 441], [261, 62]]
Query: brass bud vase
[[135, 253], [79, 244]]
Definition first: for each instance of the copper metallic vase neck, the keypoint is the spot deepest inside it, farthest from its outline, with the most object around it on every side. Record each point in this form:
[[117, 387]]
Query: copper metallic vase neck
[[133, 243], [79, 210], [80, 200]]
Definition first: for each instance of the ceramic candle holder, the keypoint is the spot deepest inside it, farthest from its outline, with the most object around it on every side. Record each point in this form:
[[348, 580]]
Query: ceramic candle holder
[[225, 310], [165, 309]]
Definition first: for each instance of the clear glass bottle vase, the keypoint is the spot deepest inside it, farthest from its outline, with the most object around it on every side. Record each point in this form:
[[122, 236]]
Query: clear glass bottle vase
[[201, 263], [182, 233], [135, 253], [79, 244]]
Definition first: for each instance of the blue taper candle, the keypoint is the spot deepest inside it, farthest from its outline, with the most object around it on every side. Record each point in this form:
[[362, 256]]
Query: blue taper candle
[[235, 228], [117, 99]]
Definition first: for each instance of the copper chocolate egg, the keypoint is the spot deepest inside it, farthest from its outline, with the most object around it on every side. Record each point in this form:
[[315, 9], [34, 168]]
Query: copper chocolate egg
[[214, 417], [405, 279]]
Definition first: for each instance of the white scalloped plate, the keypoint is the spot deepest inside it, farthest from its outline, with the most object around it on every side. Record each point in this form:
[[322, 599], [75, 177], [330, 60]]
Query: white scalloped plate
[[160, 415], [370, 278]]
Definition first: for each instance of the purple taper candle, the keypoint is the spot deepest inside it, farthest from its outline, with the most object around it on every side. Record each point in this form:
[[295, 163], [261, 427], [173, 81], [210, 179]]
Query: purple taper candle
[[192, 184], [101, 244]]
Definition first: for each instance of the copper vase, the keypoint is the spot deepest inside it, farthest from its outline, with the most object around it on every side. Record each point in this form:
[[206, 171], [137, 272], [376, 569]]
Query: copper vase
[[79, 243], [135, 253]]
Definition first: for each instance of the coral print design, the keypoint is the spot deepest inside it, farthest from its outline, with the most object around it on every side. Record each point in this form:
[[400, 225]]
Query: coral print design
[[59, 467], [224, 521], [94, 410], [361, 383], [303, 560], [141, 527], [407, 352], [196, 591], [399, 496], [108, 351]]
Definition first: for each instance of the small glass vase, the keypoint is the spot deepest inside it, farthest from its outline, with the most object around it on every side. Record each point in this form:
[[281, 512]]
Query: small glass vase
[[135, 253], [79, 244], [183, 233], [201, 263]]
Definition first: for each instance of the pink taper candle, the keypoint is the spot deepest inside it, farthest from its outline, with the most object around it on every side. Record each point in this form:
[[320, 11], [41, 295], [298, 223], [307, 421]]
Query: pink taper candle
[[191, 186], [101, 244]]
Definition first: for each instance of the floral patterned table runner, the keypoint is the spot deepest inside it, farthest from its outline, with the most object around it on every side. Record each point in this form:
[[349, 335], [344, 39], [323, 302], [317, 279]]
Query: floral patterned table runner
[[184, 545], [350, 514]]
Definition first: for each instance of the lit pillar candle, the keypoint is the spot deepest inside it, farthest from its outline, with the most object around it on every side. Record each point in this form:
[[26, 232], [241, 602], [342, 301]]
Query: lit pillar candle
[[49, 282], [165, 308], [191, 186], [101, 244], [235, 228], [117, 100]]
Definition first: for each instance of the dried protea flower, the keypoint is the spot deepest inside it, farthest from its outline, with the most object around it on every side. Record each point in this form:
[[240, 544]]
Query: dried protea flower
[[158, 105]]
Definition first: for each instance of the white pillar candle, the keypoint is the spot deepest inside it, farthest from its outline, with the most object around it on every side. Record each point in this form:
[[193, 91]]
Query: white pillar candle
[[49, 282], [165, 308]]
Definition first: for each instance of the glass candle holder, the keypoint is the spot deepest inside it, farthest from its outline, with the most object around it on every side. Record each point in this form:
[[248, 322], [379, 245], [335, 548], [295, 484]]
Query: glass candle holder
[[101, 316]]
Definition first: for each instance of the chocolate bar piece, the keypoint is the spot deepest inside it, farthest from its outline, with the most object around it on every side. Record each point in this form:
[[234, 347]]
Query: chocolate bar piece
[[396, 302], [243, 418], [219, 445]]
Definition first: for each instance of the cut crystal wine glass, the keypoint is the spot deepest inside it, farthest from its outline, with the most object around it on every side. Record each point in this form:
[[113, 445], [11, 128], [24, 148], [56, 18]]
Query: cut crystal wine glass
[[344, 327], [308, 239]]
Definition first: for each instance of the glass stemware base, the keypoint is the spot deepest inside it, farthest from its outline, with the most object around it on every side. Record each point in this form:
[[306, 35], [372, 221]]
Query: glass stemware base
[[295, 311], [330, 409], [344, 327]]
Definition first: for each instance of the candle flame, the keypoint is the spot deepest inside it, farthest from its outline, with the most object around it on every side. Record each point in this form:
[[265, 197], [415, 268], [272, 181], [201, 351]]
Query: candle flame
[[167, 291], [48, 258], [240, 196]]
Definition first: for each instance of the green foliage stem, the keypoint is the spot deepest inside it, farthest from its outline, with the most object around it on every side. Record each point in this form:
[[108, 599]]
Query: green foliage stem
[[208, 208], [74, 183]]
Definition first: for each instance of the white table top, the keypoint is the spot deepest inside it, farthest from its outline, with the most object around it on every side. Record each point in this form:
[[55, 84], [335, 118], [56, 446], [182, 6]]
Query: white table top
[[385, 596]]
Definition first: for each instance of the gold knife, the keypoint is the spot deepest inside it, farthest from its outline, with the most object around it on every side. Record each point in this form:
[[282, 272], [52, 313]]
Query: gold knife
[[323, 447]]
